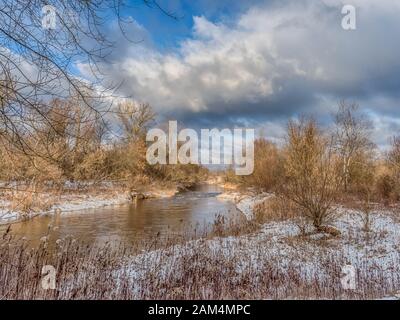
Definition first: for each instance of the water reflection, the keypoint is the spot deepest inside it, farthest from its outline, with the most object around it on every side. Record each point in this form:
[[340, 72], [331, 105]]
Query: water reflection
[[145, 220]]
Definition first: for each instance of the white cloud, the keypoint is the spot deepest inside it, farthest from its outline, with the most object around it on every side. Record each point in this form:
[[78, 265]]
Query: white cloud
[[277, 60]]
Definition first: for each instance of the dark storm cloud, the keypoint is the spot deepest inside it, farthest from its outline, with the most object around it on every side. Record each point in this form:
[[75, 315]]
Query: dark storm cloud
[[273, 62]]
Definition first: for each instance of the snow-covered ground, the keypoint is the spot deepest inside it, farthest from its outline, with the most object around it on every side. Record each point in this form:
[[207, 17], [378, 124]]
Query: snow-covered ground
[[77, 201], [245, 202], [279, 262], [65, 203]]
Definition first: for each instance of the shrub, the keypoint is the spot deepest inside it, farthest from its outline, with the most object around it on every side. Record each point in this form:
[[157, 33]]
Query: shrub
[[267, 166], [311, 179]]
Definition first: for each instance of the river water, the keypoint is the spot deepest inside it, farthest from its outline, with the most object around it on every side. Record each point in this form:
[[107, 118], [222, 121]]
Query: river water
[[190, 212]]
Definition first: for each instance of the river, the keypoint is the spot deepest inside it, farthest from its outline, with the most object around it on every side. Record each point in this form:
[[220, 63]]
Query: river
[[191, 213]]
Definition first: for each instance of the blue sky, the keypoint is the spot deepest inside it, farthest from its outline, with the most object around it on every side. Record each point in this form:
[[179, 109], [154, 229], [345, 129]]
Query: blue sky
[[259, 63], [167, 32]]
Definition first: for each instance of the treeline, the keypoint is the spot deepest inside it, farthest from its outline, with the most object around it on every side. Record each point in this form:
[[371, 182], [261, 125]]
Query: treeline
[[71, 142], [318, 168]]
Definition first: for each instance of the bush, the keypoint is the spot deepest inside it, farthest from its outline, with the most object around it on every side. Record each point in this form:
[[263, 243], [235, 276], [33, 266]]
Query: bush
[[386, 188], [311, 180], [268, 166]]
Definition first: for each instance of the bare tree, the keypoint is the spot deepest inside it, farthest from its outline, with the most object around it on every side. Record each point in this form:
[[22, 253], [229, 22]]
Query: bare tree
[[388, 183], [41, 43], [59, 144], [311, 180], [135, 119], [393, 156], [351, 137]]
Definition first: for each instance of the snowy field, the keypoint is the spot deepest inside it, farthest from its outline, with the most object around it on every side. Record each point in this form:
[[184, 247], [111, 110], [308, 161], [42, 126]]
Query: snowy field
[[278, 262], [281, 260]]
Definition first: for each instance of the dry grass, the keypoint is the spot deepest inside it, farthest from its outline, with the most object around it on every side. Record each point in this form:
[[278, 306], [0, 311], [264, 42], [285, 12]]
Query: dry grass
[[29, 198], [274, 209], [90, 273], [84, 271], [176, 269]]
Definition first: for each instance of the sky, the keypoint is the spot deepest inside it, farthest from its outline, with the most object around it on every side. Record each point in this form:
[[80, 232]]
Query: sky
[[256, 64]]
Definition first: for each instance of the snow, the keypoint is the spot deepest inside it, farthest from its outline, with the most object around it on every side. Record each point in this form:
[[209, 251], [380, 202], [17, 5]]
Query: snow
[[88, 203], [375, 255], [78, 195], [245, 203], [7, 217], [76, 202], [66, 203], [278, 245]]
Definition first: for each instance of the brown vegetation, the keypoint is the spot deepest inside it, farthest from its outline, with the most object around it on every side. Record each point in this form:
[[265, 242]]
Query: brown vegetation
[[54, 125], [311, 178], [189, 270], [317, 169], [268, 166], [74, 146]]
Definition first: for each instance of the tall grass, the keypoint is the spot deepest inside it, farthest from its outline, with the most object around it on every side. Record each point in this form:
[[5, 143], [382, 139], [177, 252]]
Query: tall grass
[[175, 269]]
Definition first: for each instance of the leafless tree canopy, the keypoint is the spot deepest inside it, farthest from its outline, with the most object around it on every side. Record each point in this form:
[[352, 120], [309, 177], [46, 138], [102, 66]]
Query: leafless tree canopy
[[41, 43], [311, 180], [135, 119], [351, 137], [394, 155]]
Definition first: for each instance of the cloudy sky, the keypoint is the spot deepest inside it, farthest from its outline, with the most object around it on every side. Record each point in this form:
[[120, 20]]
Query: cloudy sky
[[258, 63]]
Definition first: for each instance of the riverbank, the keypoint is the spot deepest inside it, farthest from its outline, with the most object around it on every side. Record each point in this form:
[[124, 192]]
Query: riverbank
[[281, 259], [277, 263], [22, 203], [277, 259], [245, 201]]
